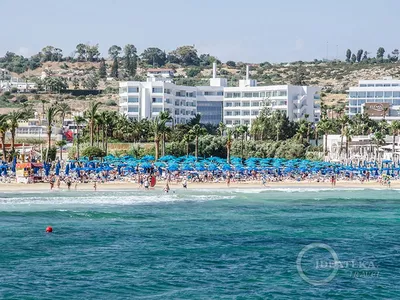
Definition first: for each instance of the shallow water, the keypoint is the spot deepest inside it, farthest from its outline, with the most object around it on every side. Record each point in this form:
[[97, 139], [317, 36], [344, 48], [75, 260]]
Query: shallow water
[[200, 244]]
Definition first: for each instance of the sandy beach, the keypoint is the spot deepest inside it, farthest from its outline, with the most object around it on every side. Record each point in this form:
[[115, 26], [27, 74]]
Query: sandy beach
[[109, 186]]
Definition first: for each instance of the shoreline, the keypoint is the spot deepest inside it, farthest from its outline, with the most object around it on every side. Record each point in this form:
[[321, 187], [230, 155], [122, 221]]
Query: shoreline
[[128, 186]]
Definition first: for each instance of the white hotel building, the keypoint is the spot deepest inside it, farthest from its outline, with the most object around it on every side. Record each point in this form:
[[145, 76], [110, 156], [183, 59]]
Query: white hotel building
[[217, 102], [385, 91]]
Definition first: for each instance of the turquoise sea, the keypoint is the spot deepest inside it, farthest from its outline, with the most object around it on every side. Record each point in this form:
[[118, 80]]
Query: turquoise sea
[[201, 244]]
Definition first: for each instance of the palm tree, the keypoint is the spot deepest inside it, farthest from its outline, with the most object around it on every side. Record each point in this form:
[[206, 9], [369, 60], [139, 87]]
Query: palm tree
[[166, 117], [61, 144], [242, 130], [43, 107], [90, 114], [228, 145], [197, 131], [347, 132], [78, 122], [14, 118], [64, 110], [221, 128], [51, 114], [4, 126], [395, 127], [343, 121], [325, 126], [157, 126], [187, 139]]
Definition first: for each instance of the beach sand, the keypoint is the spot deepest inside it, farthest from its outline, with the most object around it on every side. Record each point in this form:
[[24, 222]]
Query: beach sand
[[109, 186]]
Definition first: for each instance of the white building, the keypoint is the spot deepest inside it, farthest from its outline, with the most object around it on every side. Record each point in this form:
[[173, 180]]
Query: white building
[[21, 85], [243, 104], [379, 98], [140, 100], [217, 102]]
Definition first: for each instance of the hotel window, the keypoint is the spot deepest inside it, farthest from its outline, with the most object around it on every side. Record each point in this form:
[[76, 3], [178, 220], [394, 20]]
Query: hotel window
[[353, 102], [157, 100], [396, 101], [353, 110], [177, 111], [395, 84], [255, 103], [388, 94], [229, 95], [133, 109], [353, 95], [157, 90], [220, 93], [228, 104], [386, 84], [361, 101], [246, 113], [282, 93], [262, 94], [157, 109], [245, 104], [132, 89], [176, 102], [378, 94], [236, 122], [168, 100], [209, 93], [254, 112], [256, 95], [133, 99], [396, 94], [237, 104], [379, 85], [361, 94], [371, 85], [363, 85], [274, 93], [247, 95], [228, 122], [236, 95], [370, 94], [267, 94], [228, 113], [237, 113], [167, 91]]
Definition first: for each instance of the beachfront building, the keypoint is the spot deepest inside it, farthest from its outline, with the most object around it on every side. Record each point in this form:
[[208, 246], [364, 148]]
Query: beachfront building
[[380, 99], [21, 85], [140, 100], [243, 104]]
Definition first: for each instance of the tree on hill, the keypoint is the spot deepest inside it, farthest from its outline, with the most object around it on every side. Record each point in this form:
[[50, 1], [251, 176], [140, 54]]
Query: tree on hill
[[208, 60], [359, 55], [114, 52], [380, 53], [54, 84], [130, 59], [348, 55], [81, 51], [231, 63], [185, 55], [154, 56], [102, 69], [353, 58], [365, 57]]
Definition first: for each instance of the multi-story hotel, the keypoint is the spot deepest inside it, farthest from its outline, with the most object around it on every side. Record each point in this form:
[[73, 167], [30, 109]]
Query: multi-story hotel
[[139, 100], [217, 102], [378, 98], [243, 104]]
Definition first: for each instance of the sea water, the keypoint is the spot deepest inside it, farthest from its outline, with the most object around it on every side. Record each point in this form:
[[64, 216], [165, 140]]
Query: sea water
[[201, 244]]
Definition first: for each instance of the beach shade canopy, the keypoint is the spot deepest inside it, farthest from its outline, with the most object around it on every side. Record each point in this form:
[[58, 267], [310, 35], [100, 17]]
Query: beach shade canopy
[[173, 167], [145, 165], [226, 167], [186, 167], [148, 158], [167, 158]]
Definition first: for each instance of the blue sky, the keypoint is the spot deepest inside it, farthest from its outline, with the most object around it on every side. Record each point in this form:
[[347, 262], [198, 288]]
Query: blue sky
[[248, 31]]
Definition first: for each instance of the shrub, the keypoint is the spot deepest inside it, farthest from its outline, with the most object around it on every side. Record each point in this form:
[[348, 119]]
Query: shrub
[[192, 72], [22, 99], [231, 63], [7, 94], [14, 90], [93, 152], [111, 102]]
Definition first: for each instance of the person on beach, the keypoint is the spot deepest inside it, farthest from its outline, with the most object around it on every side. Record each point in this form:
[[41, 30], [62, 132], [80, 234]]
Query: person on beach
[[51, 181], [166, 189], [184, 183], [146, 184], [228, 179], [69, 183], [76, 184], [95, 186], [333, 180], [58, 182]]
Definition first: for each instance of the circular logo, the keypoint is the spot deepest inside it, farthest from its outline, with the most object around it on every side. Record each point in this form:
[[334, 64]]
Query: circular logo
[[378, 107], [317, 246]]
